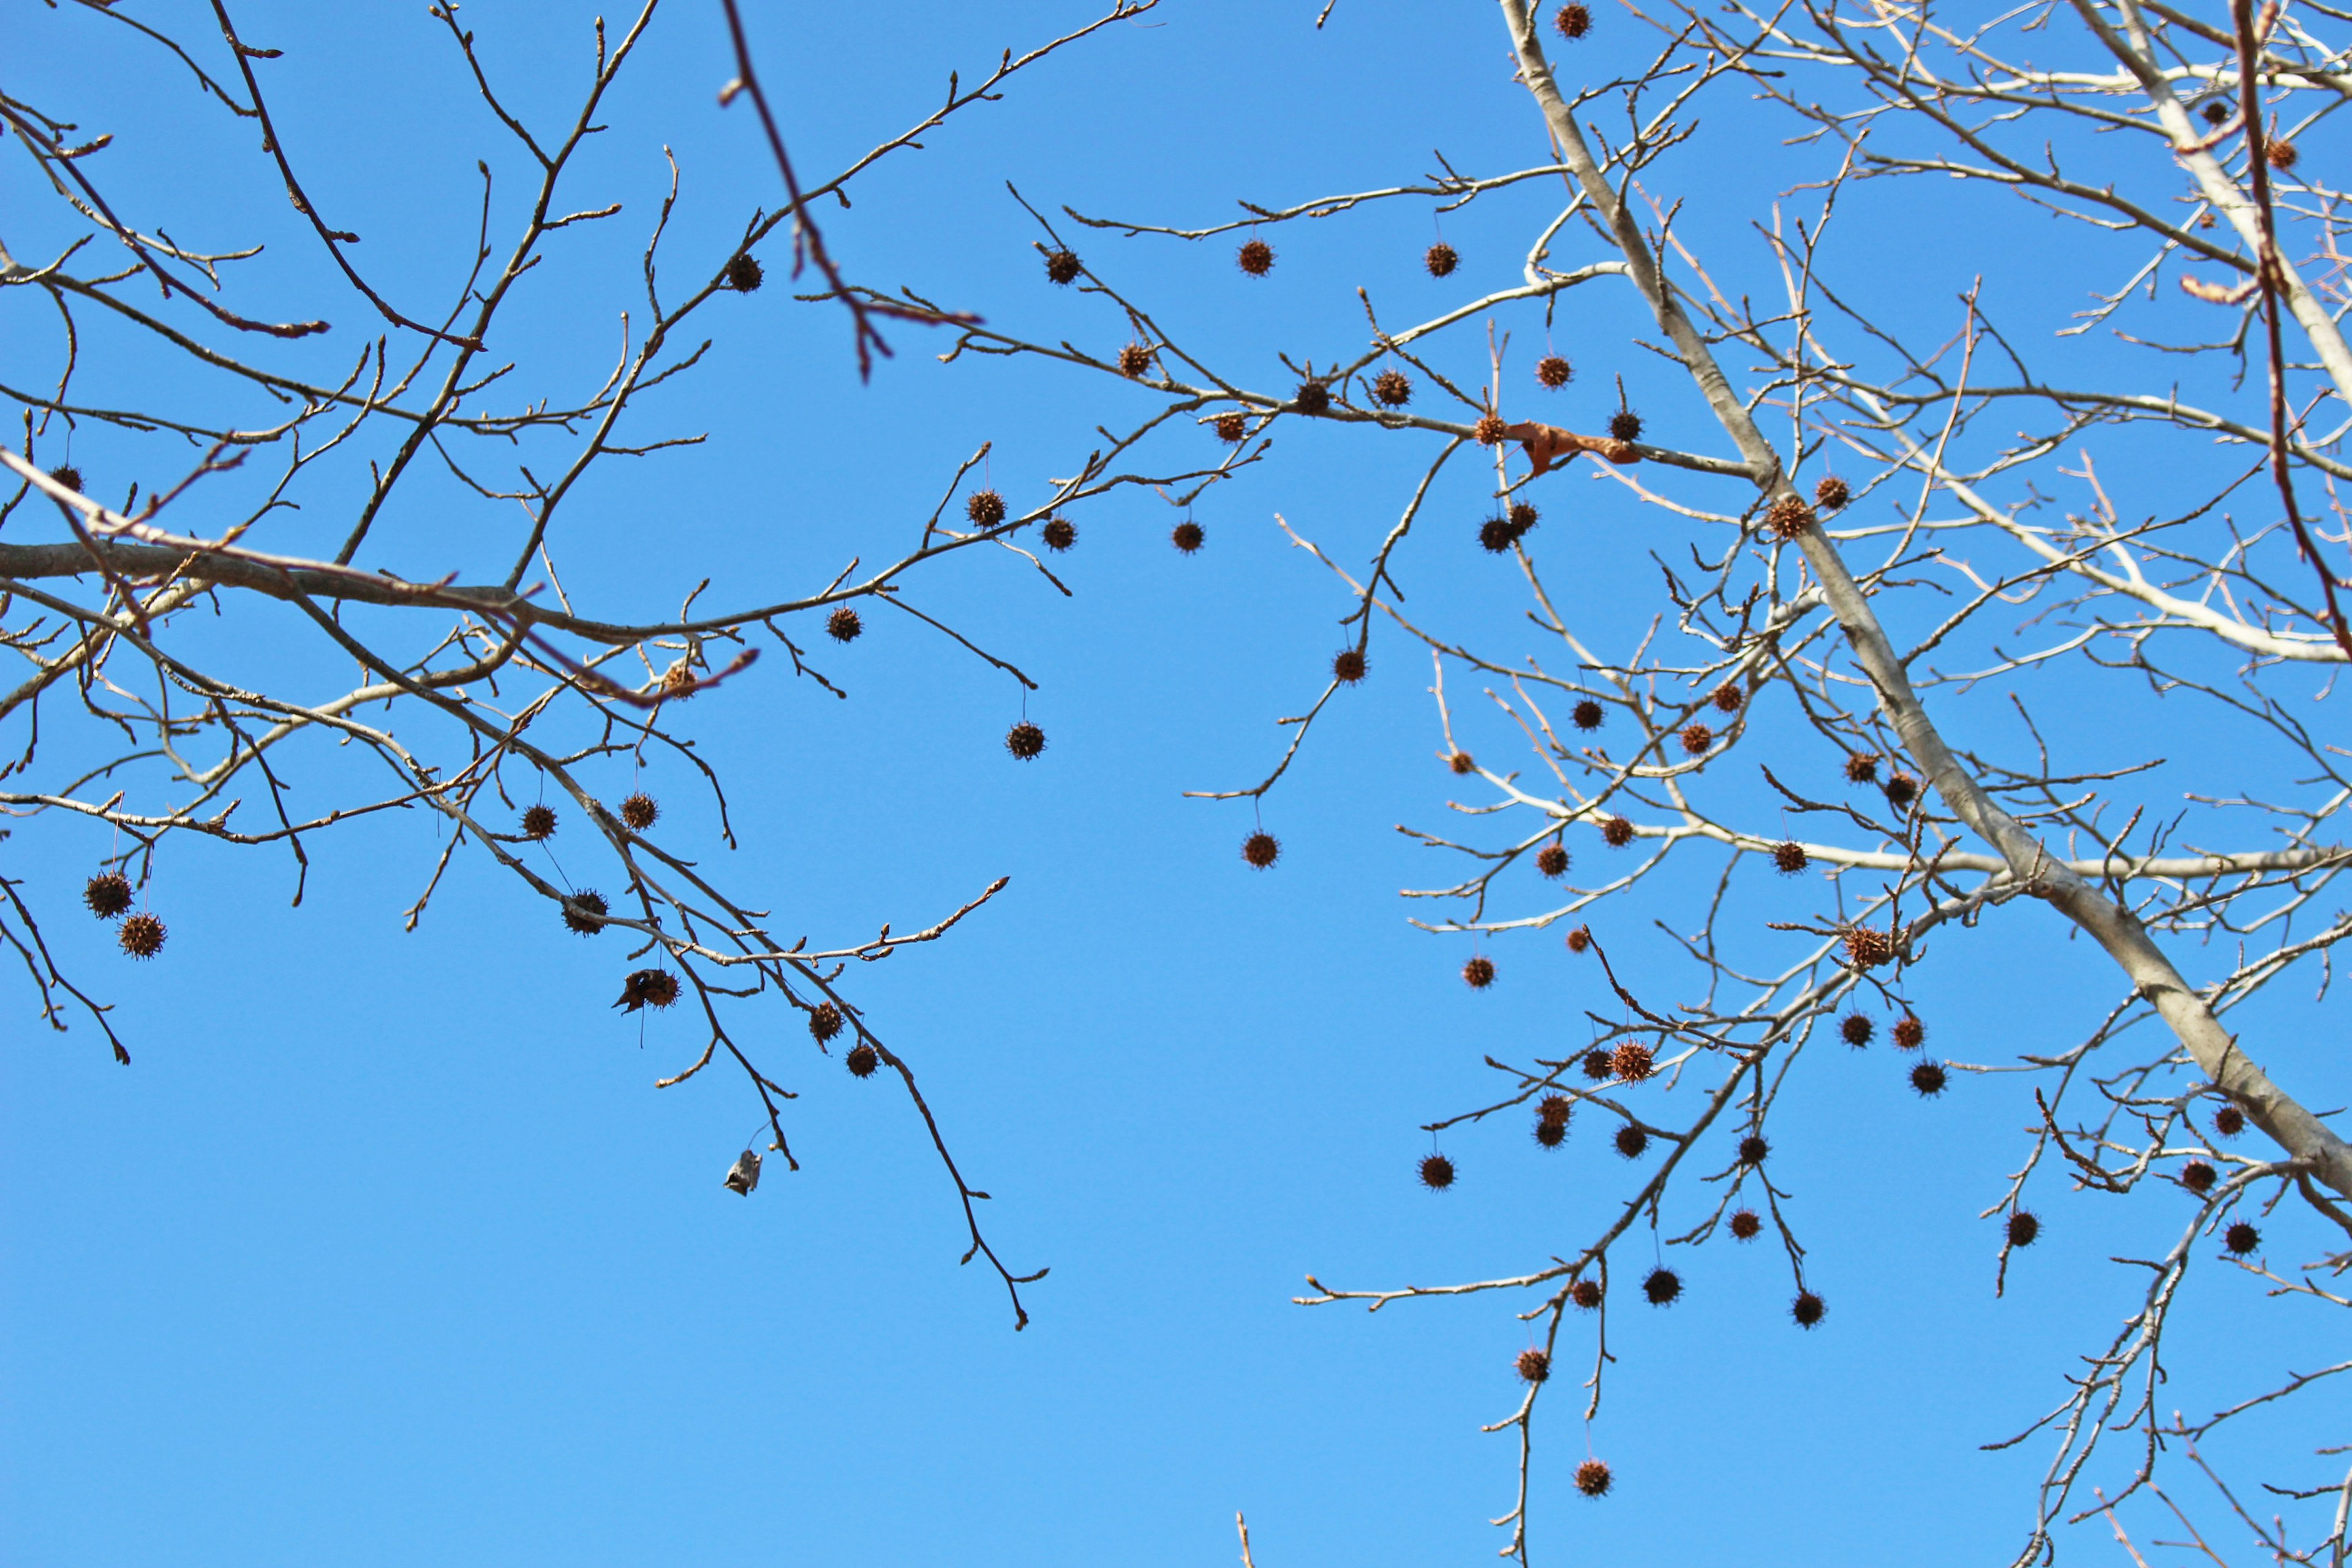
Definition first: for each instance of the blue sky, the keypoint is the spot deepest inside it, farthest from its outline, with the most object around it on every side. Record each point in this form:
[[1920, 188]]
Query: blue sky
[[386, 1248]]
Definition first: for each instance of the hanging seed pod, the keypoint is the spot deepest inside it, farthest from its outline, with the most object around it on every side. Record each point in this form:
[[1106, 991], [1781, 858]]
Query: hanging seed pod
[[1910, 1033], [1552, 860], [648, 988], [1062, 266], [1134, 360], [1350, 665], [1928, 1079], [1261, 848], [1753, 1149], [584, 911], [1233, 428], [1024, 741], [1831, 493], [1663, 1287], [1554, 372], [640, 811], [1059, 533], [107, 895], [1585, 1293], [1533, 1365], [1479, 972], [141, 935], [1790, 858], [1312, 397], [843, 624], [1588, 714], [1808, 1309], [1574, 20], [1746, 1225], [984, 508], [2242, 1238], [1617, 833], [1624, 426], [1392, 389], [1441, 260], [1856, 1028], [1187, 537], [745, 1174], [1255, 257], [1631, 1061], [861, 1060], [539, 823], [1490, 430], [1436, 1172], [824, 1021], [2023, 1228], [744, 273]]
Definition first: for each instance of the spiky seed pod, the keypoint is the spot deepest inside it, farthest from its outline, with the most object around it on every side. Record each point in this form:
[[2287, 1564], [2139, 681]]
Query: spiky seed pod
[[1255, 257], [1134, 360], [824, 1021], [640, 811], [1661, 1287], [1592, 1476], [1624, 426], [1312, 397], [1788, 517], [538, 822], [1552, 860], [141, 935], [1585, 1293], [1598, 1064], [1349, 666], [1261, 848], [1587, 714], [1753, 1149], [1860, 767], [2228, 1121], [2216, 112], [1866, 947], [1631, 1140], [678, 684], [1790, 858], [1729, 699], [68, 476], [843, 624], [2242, 1238], [1808, 1309], [1496, 534], [861, 1060], [647, 988], [1059, 533], [1901, 791], [1746, 1225], [1573, 21], [744, 273], [1024, 741], [1928, 1079], [1534, 1365], [1523, 516], [1479, 972], [1631, 1061], [1910, 1033], [1856, 1028], [1461, 763], [1490, 430], [108, 894], [1187, 536], [1551, 1134], [1617, 833], [2024, 1227], [1392, 388], [1436, 1172], [2198, 1177], [1579, 939], [985, 507], [1696, 739], [1554, 372], [1441, 260], [1233, 428], [1555, 1108], [2281, 154], [1831, 493], [585, 910], [1062, 266]]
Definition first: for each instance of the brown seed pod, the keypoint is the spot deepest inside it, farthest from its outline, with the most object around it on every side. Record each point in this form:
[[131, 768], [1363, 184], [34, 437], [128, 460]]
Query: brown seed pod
[[1579, 940], [2281, 154], [1436, 1172], [1587, 714], [2198, 1177], [1552, 860], [1496, 533], [1062, 266], [1860, 768], [1585, 1293], [1573, 21], [538, 822], [1753, 1149], [68, 476], [744, 273], [1696, 738], [1631, 1061], [108, 894], [1187, 536], [1392, 388], [1746, 1225], [1461, 763], [1490, 430], [639, 811], [985, 507], [1441, 260], [1856, 1028], [1233, 428], [1554, 372], [1830, 493], [824, 1021], [1788, 517], [1550, 1135], [1556, 1108], [1928, 1079], [843, 624], [2242, 1238], [1866, 947], [1901, 791], [1790, 858], [1534, 1365], [1024, 741], [647, 988], [1624, 426], [1059, 533], [1592, 1476], [861, 1060], [1617, 833], [1910, 1033], [2024, 1227], [1479, 972], [141, 935], [1134, 360], [2216, 112], [1663, 1287], [585, 910], [1312, 397], [1599, 1063], [1255, 257], [1522, 517], [1349, 666], [1808, 1309], [1729, 699], [678, 684], [1631, 1140], [1261, 848], [2228, 1121]]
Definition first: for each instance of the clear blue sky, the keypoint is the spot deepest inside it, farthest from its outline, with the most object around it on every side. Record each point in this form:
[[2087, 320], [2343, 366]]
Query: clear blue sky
[[386, 1250]]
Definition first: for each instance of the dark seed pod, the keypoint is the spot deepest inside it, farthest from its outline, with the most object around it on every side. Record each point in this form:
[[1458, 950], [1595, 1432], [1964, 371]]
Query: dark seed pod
[[843, 624], [1255, 257], [1579, 939], [1746, 1225], [1522, 517], [1574, 20], [1808, 1310], [824, 1021], [1729, 699], [1134, 360], [2281, 154], [1585, 1293], [1753, 1149], [2240, 1239], [108, 894], [744, 1174], [1860, 768], [1556, 1110], [1832, 494], [585, 910], [861, 1060], [1436, 1172], [1790, 858], [2228, 1121], [1461, 763], [1910, 1033], [1696, 739], [1479, 972], [1928, 1078], [2216, 112], [1592, 1476], [1441, 260], [1624, 426], [1024, 741], [2198, 1177], [1233, 428], [1554, 372], [1059, 533], [1901, 791], [1062, 266], [985, 507], [1867, 947], [1631, 1061], [1551, 1134], [1490, 430], [1392, 389], [1617, 833], [1587, 714], [1312, 397], [141, 935], [647, 988], [1788, 517], [1599, 1064], [68, 476], [744, 273], [1856, 1028], [1631, 1140], [538, 822], [1534, 1365], [1349, 666], [2023, 1228], [1497, 534], [1663, 1287], [1187, 536], [639, 811], [1552, 860], [1261, 848]]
